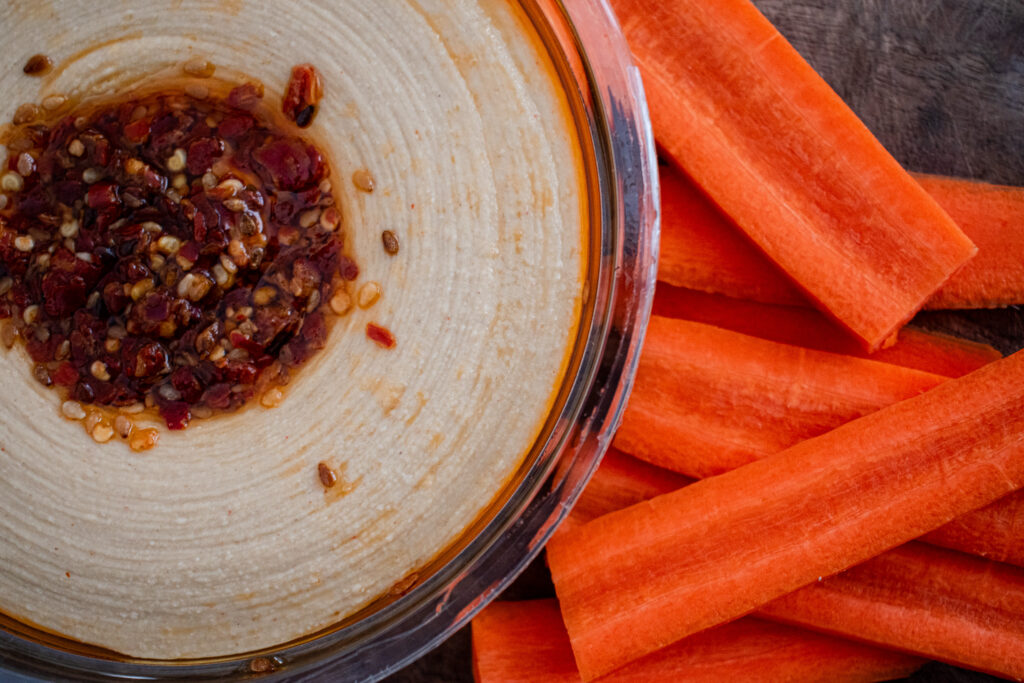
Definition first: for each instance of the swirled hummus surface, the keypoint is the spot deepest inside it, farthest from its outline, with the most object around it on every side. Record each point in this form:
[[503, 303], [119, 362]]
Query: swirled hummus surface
[[224, 539]]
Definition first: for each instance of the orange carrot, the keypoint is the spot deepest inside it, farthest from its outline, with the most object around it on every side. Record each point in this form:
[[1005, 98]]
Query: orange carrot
[[707, 400], [526, 642], [522, 641], [633, 581], [620, 481], [702, 249], [995, 531], [993, 217], [917, 598], [774, 146], [934, 352]]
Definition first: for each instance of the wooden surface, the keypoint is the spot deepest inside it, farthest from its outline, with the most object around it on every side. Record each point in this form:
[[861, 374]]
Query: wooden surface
[[941, 83]]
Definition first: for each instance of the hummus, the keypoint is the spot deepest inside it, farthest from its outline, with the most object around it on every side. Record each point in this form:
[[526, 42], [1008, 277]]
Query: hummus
[[223, 539]]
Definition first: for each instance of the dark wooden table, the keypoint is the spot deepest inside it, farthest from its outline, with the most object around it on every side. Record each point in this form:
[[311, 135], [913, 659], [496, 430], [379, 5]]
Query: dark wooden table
[[941, 83]]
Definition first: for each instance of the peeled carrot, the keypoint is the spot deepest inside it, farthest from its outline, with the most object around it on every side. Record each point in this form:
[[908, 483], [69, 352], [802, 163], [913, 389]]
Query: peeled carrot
[[773, 145], [995, 531], [522, 641], [702, 249], [707, 400], [930, 601], [993, 217], [633, 581], [526, 641], [934, 352], [620, 481]]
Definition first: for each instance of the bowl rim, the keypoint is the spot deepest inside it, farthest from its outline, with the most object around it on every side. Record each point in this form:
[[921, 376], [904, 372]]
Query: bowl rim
[[600, 73]]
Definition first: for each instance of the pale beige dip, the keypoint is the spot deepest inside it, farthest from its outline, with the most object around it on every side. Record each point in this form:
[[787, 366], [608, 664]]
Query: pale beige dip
[[222, 539]]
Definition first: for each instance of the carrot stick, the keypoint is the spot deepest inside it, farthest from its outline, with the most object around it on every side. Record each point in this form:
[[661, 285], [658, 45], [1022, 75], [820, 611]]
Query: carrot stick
[[707, 400], [931, 601], [522, 641], [995, 531], [772, 145], [526, 641], [967, 604], [633, 581], [993, 217], [701, 248], [620, 481], [934, 352]]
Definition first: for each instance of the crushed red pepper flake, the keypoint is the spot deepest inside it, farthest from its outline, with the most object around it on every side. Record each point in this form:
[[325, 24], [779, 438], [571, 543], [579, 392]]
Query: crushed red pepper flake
[[303, 94], [380, 335], [132, 245]]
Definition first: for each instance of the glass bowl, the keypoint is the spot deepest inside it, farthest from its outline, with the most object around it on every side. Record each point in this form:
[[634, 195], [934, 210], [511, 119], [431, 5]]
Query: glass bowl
[[605, 94]]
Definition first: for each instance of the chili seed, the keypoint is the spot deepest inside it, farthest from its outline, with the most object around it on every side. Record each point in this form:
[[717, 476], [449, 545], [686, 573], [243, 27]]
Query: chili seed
[[264, 295], [123, 426], [309, 218], [341, 302], [227, 188], [77, 149], [3, 202], [314, 301], [72, 410], [143, 439], [25, 113], [54, 102], [197, 66], [234, 204], [194, 286], [209, 180], [228, 264], [98, 369], [8, 333], [102, 433], [84, 256], [327, 476], [180, 182], [369, 293], [24, 243], [91, 175], [217, 354], [330, 219], [140, 288], [70, 228], [390, 242], [133, 409], [271, 398], [168, 244], [177, 161], [363, 180], [63, 351], [26, 164], [133, 166], [197, 91], [5, 285], [12, 182], [37, 65], [220, 276], [237, 252], [261, 665]]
